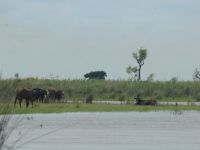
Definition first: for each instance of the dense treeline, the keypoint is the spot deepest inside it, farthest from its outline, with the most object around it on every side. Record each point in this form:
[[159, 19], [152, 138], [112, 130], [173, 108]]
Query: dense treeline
[[108, 89]]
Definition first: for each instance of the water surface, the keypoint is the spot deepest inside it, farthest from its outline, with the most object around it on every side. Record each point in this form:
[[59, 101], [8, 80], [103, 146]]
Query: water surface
[[108, 131]]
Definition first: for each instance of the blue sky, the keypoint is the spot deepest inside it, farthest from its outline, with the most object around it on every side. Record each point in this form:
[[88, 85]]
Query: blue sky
[[68, 38]]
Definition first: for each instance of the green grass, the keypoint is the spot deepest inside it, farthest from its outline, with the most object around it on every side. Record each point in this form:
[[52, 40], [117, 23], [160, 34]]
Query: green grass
[[117, 90], [59, 108]]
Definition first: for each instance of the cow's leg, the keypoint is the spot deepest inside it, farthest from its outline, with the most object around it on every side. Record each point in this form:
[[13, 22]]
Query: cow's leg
[[27, 103], [15, 101], [32, 103], [42, 99], [20, 102]]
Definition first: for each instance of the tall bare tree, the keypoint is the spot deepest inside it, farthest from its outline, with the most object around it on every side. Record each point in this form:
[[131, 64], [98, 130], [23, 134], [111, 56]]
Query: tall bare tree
[[139, 56]]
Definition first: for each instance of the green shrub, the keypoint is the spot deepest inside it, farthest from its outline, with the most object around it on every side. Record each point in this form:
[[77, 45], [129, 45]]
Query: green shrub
[[121, 98]]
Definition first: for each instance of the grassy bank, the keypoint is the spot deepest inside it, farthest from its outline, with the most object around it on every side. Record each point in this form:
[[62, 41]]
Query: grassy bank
[[119, 90], [59, 108]]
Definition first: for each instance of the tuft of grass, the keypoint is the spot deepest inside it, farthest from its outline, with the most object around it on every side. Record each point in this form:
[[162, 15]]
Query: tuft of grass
[[77, 105]]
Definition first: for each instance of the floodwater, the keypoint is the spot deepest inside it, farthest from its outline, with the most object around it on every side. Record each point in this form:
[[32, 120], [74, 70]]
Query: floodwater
[[107, 131]]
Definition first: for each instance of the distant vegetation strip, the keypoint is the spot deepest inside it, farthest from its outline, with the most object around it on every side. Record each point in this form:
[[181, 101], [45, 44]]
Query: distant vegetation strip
[[118, 90]]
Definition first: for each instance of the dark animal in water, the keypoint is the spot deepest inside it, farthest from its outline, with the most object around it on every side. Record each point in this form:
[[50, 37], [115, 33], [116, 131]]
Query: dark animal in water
[[39, 94], [23, 93], [55, 94], [145, 102], [96, 75]]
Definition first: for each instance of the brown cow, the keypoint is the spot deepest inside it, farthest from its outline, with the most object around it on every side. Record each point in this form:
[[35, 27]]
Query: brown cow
[[23, 93], [59, 95], [51, 93], [54, 94]]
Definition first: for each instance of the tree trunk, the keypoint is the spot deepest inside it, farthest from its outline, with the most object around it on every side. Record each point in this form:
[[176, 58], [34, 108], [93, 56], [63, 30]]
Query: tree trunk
[[139, 72]]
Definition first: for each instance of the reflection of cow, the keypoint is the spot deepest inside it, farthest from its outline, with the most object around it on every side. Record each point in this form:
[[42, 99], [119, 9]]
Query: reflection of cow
[[96, 75], [55, 94], [39, 94], [23, 93], [144, 102]]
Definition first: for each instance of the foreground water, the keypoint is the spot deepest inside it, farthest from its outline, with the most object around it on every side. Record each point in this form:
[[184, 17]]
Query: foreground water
[[107, 131]]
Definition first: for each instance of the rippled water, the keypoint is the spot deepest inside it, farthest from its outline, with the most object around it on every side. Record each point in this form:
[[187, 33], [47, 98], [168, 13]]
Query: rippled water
[[108, 131]]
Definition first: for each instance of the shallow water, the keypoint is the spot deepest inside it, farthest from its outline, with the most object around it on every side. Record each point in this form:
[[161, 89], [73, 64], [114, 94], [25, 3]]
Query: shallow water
[[108, 131]]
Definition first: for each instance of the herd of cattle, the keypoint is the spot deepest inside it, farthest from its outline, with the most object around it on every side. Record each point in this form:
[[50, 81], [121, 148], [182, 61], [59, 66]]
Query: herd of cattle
[[41, 96], [37, 94]]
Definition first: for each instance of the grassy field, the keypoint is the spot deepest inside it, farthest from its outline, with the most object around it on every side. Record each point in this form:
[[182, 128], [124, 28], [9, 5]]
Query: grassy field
[[59, 108], [118, 90], [112, 90]]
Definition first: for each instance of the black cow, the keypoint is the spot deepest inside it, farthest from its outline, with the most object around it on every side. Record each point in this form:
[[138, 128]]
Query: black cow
[[96, 75], [23, 93], [39, 94]]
